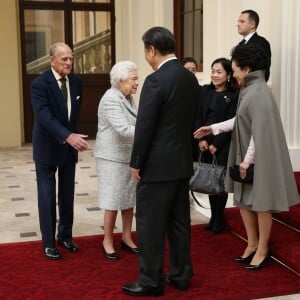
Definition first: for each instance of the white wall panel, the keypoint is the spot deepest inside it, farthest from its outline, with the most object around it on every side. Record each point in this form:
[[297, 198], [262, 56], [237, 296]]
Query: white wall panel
[[279, 23], [290, 77]]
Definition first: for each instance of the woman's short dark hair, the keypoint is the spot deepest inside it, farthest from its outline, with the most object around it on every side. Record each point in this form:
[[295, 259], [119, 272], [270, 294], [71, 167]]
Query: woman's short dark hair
[[189, 60], [161, 39], [226, 64], [250, 55]]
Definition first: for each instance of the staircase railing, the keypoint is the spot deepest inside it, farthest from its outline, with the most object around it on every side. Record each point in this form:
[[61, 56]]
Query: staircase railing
[[91, 55]]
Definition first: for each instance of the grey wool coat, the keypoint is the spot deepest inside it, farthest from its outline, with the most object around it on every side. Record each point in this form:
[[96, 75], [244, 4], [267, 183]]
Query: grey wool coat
[[274, 187]]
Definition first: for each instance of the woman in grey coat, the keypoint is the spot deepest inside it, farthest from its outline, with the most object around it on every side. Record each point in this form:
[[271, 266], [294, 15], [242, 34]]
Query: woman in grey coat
[[116, 124], [257, 138]]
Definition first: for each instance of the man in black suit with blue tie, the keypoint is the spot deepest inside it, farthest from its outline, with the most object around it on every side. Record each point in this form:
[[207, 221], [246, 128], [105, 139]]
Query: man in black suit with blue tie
[[247, 24], [162, 163], [56, 97]]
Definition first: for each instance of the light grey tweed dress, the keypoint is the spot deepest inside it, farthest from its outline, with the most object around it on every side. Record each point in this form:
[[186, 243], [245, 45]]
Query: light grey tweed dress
[[112, 151]]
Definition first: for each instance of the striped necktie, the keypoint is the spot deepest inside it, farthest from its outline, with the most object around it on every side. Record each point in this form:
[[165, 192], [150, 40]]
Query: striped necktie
[[64, 89]]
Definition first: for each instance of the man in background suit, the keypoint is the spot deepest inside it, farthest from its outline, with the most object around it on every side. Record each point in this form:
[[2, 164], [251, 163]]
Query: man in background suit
[[55, 145], [162, 163], [247, 25]]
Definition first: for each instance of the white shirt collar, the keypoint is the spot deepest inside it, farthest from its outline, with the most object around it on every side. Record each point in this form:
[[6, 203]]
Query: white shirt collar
[[168, 59], [249, 36], [57, 76]]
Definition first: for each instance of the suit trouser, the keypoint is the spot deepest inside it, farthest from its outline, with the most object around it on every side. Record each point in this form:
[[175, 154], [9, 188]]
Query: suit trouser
[[46, 185], [163, 208]]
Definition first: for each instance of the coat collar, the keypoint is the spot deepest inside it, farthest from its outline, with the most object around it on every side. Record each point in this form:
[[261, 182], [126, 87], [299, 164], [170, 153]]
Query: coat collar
[[55, 89], [128, 102], [254, 76]]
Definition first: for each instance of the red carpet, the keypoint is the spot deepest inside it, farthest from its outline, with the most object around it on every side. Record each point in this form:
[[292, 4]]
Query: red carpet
[[285, 235], [284, 242], [26, 274]]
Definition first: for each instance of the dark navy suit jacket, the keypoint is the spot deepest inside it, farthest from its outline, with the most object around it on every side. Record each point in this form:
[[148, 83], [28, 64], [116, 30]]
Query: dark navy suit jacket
[[51, 125], [165, 122]]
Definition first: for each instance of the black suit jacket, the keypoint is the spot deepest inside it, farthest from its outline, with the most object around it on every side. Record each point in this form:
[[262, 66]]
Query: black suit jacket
[[265, 45], [163, 135], [51, 125]]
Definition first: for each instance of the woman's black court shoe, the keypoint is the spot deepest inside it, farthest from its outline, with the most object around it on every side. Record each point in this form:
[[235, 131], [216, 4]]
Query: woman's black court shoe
[[245, 260], [124, 246], [261, 264], [112, 256]]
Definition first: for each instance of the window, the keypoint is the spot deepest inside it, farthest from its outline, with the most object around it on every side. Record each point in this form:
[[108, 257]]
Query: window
[[188, 29], [86, 25]]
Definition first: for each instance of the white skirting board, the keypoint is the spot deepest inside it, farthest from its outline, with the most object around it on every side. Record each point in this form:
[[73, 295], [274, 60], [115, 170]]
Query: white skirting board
[[295, 158]]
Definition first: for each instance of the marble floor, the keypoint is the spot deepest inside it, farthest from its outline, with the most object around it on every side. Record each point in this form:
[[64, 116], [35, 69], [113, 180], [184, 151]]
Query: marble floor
[[18, 199]]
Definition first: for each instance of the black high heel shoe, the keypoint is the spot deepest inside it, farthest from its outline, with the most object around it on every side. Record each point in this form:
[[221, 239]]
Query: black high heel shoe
[[124, 246], [112, 256], [261, 264], [245, 260]]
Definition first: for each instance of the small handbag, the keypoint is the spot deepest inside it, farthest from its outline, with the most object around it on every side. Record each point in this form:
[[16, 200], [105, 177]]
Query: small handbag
[[234, 172], [208, 178]]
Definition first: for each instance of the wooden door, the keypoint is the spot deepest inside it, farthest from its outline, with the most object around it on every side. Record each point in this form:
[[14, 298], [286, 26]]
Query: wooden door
[[88, 28]]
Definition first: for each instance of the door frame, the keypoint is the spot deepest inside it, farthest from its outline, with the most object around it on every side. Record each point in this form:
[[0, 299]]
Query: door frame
[[94, 85]]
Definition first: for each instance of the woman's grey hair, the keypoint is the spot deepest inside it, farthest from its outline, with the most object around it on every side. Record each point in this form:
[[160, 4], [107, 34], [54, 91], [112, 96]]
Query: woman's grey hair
[[120, 71]]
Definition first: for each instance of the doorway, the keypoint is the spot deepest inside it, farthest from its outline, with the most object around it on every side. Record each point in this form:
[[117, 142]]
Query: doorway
[[88, 27]]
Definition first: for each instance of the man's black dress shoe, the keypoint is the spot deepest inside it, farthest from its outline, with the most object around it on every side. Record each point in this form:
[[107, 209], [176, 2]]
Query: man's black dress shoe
[[136, 289], [69, 245], [124, 246], [261, 264], [52, 253], [113, 256], [179, 285], [245, 260]]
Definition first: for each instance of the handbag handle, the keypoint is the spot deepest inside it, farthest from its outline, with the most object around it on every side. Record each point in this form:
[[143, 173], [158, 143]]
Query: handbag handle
[[214, 161]]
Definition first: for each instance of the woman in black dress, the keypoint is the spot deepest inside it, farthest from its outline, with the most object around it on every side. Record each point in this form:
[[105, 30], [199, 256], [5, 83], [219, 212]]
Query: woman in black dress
[[218, 102]]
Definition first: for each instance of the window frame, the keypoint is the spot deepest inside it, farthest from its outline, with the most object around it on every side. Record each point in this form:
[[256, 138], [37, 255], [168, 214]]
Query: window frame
[[179, 31]]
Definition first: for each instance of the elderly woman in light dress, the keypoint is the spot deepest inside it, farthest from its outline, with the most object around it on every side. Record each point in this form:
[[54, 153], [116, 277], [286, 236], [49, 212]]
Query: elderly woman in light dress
[[116, 125]]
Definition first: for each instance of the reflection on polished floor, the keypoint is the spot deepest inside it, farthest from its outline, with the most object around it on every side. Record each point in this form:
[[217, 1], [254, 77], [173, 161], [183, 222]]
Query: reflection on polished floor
[[18, 199]]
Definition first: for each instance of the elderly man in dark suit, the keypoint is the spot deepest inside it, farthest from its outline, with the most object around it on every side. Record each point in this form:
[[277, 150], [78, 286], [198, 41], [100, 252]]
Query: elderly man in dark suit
[[247, 24], [56, 98], [161, 163]]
